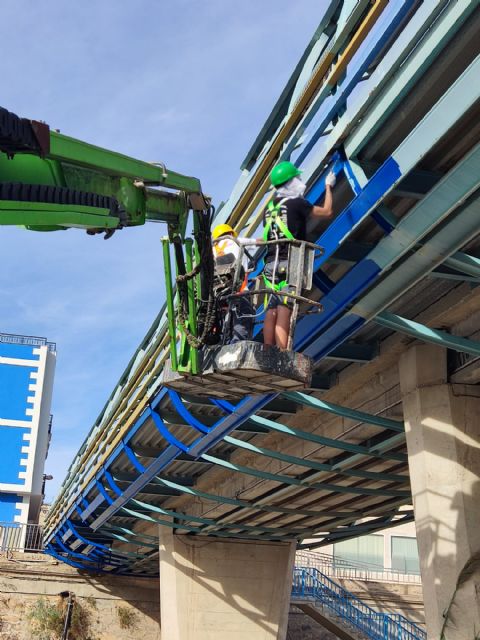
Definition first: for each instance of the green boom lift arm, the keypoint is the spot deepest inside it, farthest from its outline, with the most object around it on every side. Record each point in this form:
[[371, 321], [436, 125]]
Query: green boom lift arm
[[51, 182]]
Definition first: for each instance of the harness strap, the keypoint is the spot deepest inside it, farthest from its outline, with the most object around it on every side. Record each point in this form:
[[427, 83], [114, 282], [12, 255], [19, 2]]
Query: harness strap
[[273, 219]]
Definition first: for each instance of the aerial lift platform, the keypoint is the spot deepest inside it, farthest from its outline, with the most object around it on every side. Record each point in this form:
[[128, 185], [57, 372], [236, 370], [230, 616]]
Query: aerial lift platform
[[229, 368], [52, 182]]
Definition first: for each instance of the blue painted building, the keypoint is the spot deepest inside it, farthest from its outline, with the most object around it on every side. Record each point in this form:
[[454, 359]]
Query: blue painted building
[[27, 367]]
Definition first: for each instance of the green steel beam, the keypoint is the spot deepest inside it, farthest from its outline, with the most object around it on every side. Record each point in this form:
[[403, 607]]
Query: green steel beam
[[389, 505], [185, 517], [344, 412], [138, 543], [107, 528], [123, 476], [347, 533], [442, 273], [464, 262], [421, 332], [316, 466], [175, 525], [255, 506], [460, 226], [182, 520], [354, 352], [305, 484], [328, 442]]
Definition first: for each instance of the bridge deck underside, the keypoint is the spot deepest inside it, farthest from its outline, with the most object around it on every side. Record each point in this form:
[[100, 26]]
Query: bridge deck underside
[[329, 463]]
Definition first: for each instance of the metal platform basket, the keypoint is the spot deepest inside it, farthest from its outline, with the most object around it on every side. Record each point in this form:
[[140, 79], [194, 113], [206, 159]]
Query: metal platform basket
[[241, 369]]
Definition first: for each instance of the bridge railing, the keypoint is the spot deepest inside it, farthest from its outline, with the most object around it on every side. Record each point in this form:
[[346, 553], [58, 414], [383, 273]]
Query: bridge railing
[[15, 536], [337, 567], [311, 584]]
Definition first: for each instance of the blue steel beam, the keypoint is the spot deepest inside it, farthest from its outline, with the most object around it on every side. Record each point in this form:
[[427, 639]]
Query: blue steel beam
[[410, 230], [243, 410], [207, 438], [453, 235], [437, 207]]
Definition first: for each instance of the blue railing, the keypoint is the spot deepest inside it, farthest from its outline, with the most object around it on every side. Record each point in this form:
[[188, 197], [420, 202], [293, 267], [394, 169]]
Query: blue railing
[[311, 584]]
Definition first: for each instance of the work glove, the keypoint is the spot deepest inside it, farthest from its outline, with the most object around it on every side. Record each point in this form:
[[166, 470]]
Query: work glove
[[330, 180]]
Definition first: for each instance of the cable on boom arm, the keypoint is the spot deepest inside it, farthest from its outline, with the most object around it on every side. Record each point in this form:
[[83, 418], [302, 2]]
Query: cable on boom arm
[[204, 269]]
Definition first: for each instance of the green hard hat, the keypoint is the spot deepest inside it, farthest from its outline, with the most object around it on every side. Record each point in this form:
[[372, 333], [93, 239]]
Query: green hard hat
[[283, 172]]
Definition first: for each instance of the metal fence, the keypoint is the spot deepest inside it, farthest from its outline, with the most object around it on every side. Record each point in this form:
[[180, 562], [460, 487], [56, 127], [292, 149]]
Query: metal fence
[[311, 584], [337, 567], [20, 537]]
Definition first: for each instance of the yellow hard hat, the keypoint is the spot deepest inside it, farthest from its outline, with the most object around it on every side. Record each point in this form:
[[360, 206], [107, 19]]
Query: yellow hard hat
[[223, 229]]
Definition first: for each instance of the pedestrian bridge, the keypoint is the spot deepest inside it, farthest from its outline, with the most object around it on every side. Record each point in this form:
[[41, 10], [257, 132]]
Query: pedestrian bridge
[[387, 95]]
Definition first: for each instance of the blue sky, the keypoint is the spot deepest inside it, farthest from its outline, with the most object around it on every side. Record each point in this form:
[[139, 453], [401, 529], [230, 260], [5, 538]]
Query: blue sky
[[186, 82]]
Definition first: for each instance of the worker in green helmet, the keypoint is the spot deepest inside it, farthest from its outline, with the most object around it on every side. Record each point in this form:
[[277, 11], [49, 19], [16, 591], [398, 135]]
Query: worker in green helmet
[[286, 217]]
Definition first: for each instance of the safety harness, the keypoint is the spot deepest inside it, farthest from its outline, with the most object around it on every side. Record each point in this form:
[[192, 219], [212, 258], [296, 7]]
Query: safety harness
[[275, 224]]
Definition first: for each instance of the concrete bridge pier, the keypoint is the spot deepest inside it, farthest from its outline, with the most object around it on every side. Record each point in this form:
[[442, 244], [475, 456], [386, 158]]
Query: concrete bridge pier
[[442, 423], [230, 590]]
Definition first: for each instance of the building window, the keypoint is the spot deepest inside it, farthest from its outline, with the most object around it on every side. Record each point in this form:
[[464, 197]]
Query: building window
[[405, 555], [365, 550]]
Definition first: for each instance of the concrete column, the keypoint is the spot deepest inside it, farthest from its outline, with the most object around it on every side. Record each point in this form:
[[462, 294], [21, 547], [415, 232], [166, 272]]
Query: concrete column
[[442, 423], [230, 590]]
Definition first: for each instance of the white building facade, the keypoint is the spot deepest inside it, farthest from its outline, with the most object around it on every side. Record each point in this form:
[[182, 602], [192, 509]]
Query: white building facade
[[27, 366]]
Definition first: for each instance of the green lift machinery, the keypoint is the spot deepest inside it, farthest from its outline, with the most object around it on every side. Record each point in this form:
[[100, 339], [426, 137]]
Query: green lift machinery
[[52, 182]]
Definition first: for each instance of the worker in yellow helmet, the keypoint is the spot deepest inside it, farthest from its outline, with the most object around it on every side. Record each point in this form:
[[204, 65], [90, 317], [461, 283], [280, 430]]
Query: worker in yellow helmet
[[231, 261]]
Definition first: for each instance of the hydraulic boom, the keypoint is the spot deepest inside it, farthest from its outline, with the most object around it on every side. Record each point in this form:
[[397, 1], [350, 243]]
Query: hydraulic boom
[[51, 182]]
